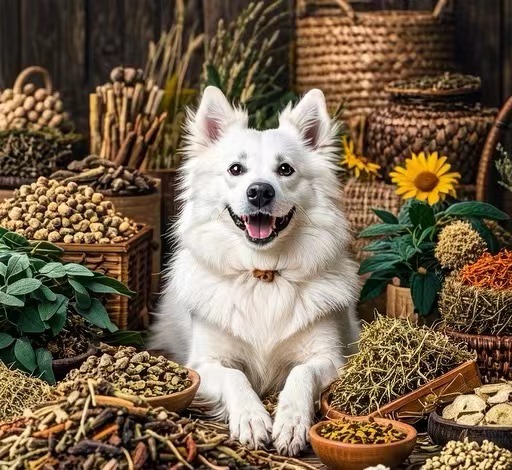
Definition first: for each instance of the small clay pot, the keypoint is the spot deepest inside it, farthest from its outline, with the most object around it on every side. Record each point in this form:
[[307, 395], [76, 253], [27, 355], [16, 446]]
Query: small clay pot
[[180, 400], [61, 367]]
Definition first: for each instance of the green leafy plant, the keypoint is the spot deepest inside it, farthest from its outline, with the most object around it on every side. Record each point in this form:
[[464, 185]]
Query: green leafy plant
[[406, 244], [37, 293], [240, 58]]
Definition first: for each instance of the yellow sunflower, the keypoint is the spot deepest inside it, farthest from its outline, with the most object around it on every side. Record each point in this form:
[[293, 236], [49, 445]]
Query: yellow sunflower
[[425, 178], [357, 164]]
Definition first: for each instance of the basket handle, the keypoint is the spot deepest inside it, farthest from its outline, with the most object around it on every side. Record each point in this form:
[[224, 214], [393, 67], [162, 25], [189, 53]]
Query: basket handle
[[503, 120], [35, 69], [439, 8]]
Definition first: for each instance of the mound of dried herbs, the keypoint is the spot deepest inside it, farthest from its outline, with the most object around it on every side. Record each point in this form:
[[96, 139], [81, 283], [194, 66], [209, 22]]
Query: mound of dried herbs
[[94, 427], [395, 357]]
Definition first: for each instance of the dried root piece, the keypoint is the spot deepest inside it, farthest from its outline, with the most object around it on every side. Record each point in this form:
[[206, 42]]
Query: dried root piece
[[500, 414]]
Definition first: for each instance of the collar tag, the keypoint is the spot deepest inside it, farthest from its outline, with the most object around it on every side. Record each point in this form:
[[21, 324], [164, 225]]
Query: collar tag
[[265, 276]]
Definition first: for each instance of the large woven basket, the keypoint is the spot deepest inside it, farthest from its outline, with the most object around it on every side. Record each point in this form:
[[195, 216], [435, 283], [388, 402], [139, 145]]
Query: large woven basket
[[494, 354], [359, 198], [353, 56], [453, 124], [502, 123], [130, 263]]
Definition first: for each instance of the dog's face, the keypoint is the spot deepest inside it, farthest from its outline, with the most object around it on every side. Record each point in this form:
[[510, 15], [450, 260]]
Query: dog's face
[[257, 187]]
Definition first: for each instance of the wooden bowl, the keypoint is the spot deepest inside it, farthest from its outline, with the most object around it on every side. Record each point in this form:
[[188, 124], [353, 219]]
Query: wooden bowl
[[443, 430], [61, 367], [463, 379], [180, 400], [344, 456]]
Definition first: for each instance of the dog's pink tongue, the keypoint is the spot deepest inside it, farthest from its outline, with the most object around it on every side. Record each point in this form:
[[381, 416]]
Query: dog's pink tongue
[[259, 227]]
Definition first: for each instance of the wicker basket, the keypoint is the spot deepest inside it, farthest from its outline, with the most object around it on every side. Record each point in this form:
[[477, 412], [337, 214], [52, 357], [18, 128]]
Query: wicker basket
[[353, 56], [450, 122], [130, 263], [38, 108], [503, 122], [494, 354], [359, 198]]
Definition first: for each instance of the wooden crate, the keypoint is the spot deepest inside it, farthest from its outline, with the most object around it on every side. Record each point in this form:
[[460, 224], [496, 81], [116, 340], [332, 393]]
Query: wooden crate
[[128, 262]]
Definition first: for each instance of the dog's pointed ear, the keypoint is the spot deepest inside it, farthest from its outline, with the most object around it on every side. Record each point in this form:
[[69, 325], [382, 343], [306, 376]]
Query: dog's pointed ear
[[311, 118], [215, 115]]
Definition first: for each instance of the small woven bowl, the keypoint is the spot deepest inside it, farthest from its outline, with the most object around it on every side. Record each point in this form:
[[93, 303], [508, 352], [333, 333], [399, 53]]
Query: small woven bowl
[[343, 456], [180, 400]]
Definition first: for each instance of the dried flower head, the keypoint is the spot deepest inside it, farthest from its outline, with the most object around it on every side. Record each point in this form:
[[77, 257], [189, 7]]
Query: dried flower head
[[459, 244]]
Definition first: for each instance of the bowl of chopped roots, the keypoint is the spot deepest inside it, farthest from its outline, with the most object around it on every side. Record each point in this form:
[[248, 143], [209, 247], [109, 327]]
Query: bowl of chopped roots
[[355, 443]]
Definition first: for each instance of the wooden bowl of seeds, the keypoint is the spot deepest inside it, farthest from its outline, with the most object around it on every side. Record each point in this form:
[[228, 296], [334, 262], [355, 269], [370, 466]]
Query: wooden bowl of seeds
[[355, 443], [177, 401]]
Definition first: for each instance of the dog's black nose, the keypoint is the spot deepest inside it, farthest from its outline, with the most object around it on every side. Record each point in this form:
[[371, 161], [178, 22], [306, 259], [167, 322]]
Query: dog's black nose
[[260, 194]]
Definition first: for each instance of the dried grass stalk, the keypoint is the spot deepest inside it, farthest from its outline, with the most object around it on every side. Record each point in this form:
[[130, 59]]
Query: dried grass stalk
[[395, 357], [472, 309], [19, 391]]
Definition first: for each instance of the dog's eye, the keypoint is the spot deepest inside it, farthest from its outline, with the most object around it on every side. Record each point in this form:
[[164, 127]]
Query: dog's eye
[[236, 169], [285, 170]]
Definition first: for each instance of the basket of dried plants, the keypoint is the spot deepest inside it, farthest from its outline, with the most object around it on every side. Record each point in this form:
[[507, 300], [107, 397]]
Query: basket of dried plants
[[400, 371], [353, 55], [476, 306]]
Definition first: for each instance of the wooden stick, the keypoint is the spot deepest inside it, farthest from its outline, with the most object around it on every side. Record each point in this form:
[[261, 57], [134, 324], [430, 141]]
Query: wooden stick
[[137, 153], [156, 103], [94, 123], [122, 157], [123, 117]]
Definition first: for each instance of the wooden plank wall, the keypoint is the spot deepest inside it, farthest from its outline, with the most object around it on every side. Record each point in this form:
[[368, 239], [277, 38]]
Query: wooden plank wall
[[79, 41]]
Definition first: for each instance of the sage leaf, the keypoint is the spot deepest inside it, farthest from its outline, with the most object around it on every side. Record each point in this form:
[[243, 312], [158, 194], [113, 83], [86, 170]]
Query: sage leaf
[[17, 263], [5, 340], [424, 290], [23, 286], [97, 315], [482, 210], [10, 300], [25, 354], [53, 270], [44, 361]]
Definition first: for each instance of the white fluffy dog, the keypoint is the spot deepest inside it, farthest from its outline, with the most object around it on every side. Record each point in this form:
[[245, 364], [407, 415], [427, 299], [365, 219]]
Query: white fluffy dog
[[261, 292]]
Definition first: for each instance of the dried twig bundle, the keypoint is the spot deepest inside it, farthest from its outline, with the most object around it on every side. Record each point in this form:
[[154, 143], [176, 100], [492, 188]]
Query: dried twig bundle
[[395, 357], [19, 391], [125, 118]]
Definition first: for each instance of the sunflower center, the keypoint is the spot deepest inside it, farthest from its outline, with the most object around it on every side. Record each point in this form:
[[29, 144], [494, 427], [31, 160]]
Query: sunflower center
[[426, 181]]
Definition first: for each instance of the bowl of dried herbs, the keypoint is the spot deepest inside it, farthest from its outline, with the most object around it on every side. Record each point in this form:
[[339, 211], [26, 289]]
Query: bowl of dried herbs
[[355, 443]]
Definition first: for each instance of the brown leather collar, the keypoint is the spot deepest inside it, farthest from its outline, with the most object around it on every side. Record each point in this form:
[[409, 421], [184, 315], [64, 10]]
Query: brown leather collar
[[265, 276]]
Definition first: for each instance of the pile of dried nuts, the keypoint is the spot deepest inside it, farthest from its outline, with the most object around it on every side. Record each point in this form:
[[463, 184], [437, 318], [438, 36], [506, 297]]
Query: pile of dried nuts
[[134, 372], [49, 210], [34, 108], [360, 432], [469, 455], [106, 176]]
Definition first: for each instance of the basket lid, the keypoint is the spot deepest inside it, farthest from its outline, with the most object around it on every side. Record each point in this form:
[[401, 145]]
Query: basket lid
[[441, 86]]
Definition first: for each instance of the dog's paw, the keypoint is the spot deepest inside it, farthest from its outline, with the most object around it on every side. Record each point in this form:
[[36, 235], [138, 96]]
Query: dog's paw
[[252, 426], [290, 431]]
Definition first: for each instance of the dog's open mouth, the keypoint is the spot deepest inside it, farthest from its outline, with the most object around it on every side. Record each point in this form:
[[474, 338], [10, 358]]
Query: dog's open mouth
[[260, 227]]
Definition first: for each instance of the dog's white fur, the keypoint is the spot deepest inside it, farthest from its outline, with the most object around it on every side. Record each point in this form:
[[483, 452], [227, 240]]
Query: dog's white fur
[[244, 336]]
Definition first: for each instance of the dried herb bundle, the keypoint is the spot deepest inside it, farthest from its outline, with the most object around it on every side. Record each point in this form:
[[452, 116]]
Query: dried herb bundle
[[19, 391], [240, 60], [473, 309], [166, 67], [27, 154], [395, 357], [493, 272], [92, 428]]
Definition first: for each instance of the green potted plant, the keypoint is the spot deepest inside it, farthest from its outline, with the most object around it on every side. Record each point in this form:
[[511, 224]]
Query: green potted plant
[[404, 254], [41, 297]]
